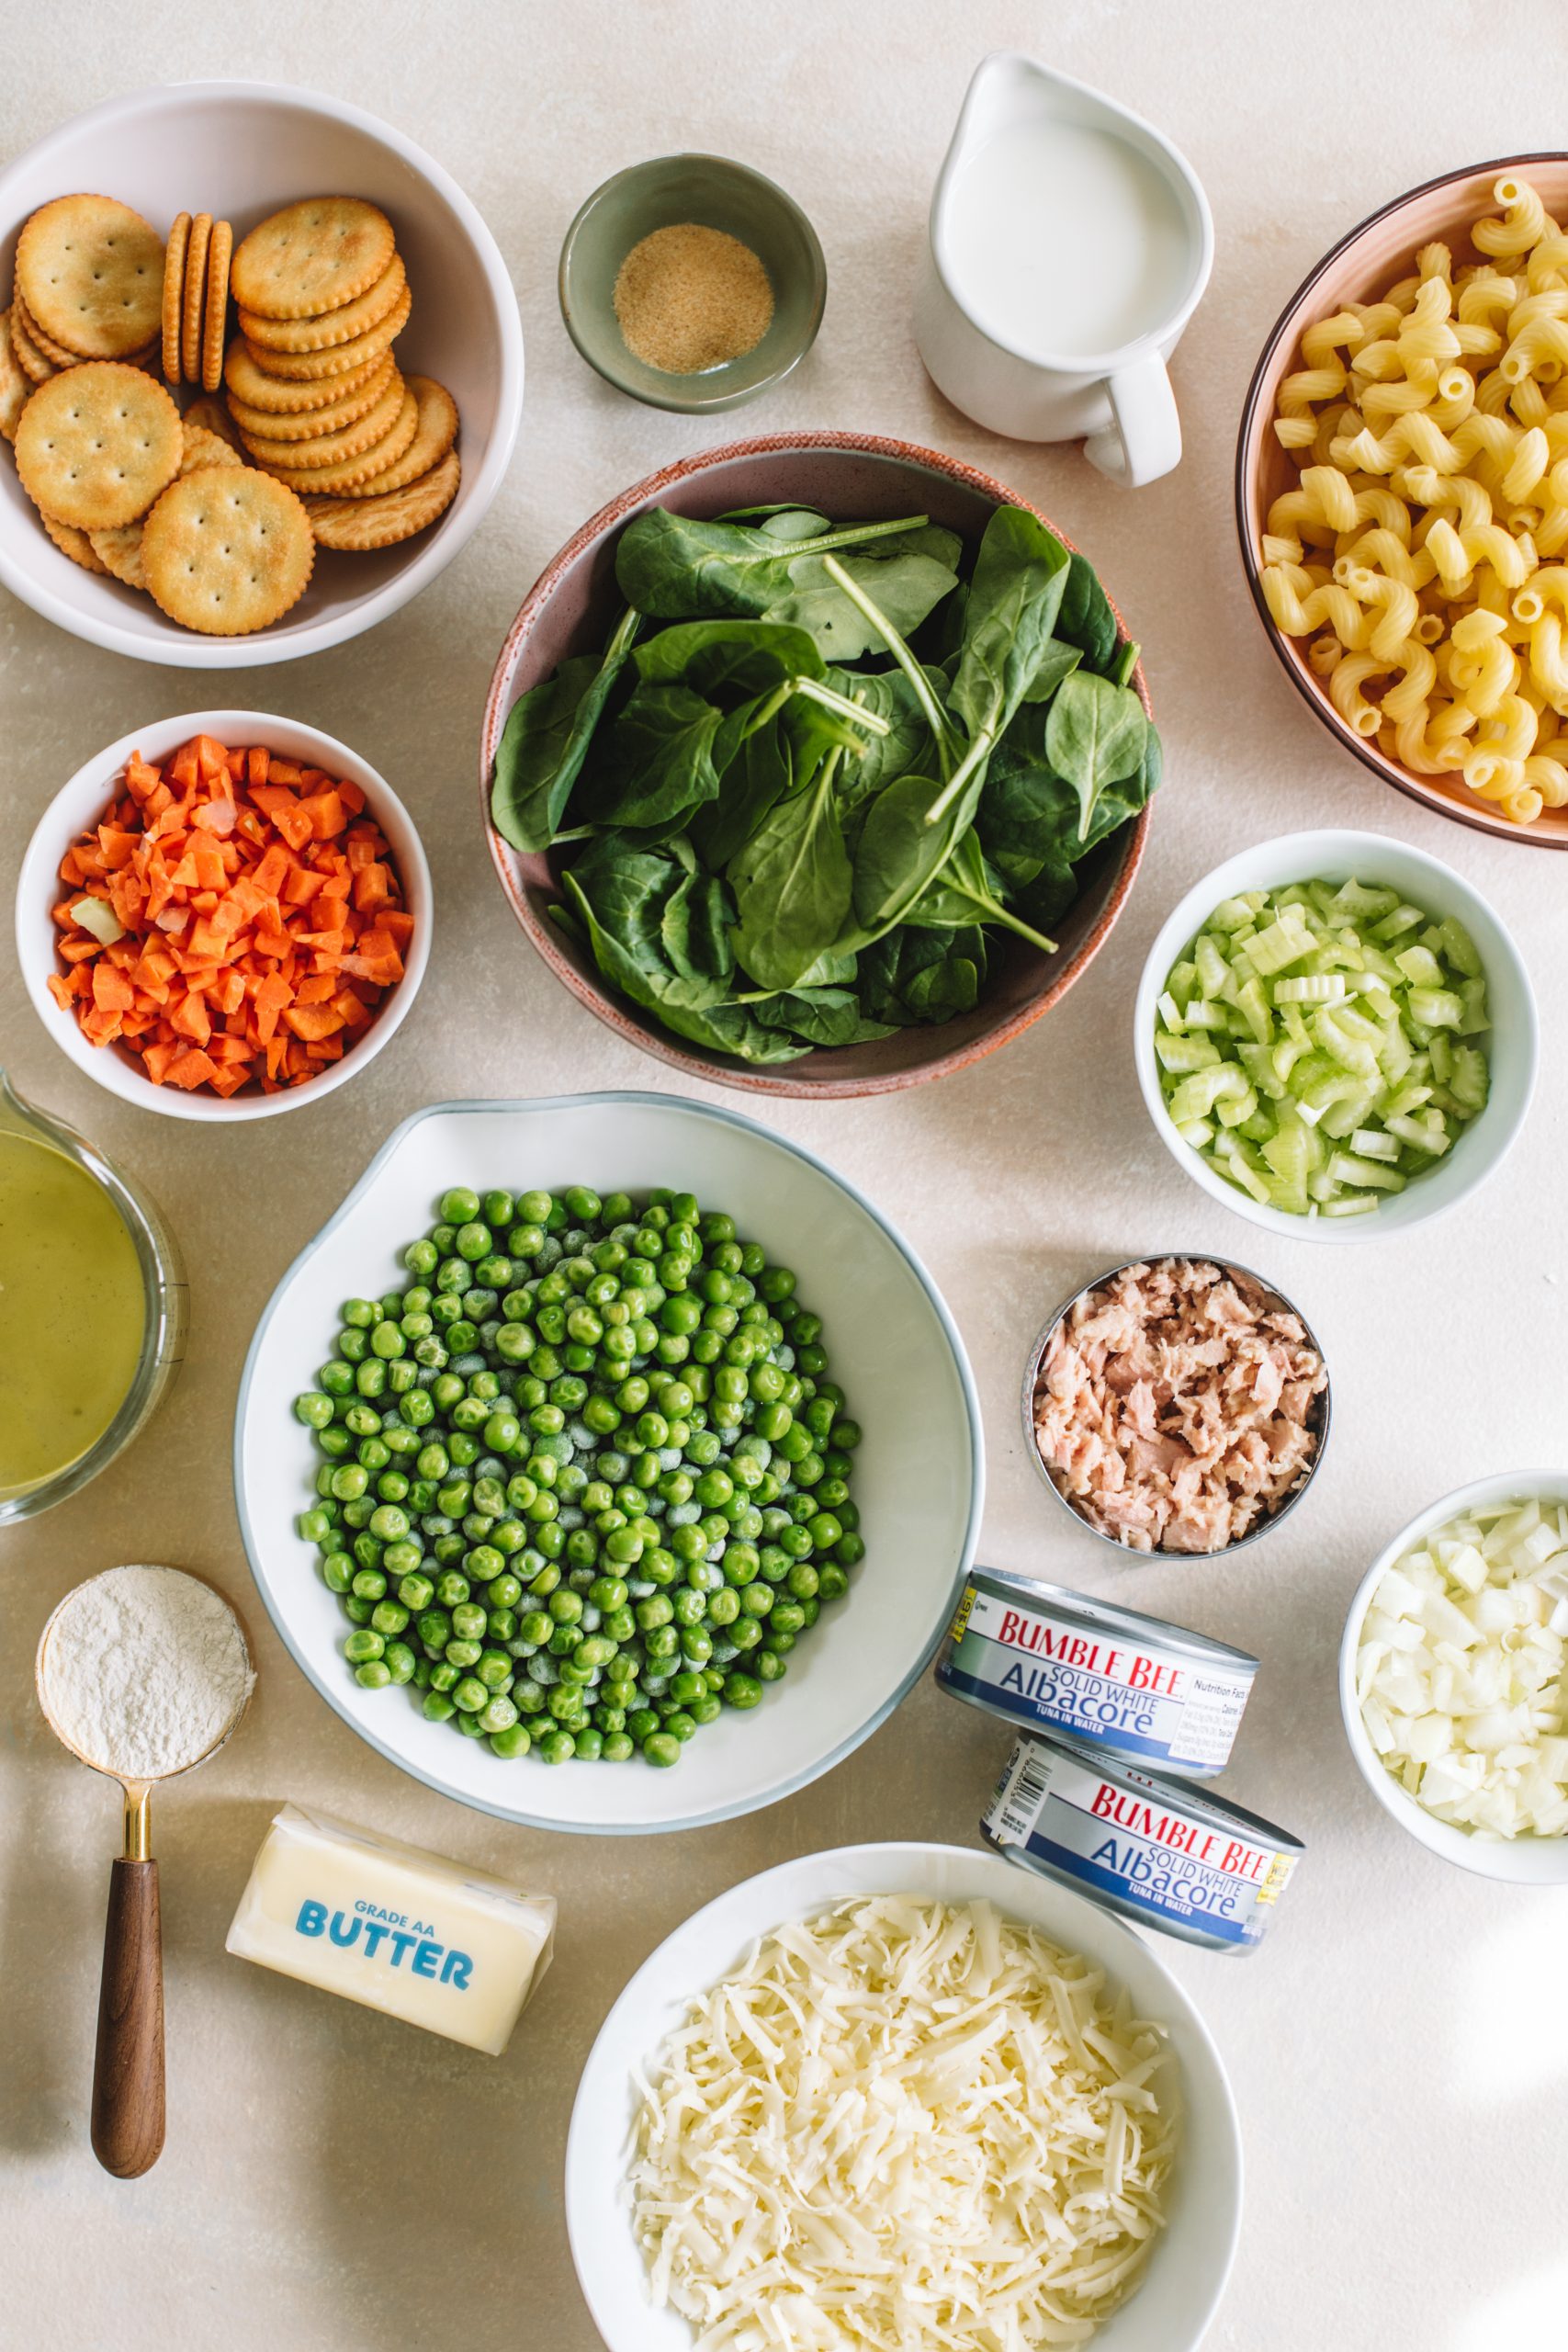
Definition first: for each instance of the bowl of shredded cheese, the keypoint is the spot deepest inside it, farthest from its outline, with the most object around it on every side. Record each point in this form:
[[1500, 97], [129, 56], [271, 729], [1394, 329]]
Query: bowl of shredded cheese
[[899, 2094], [1401, 494]]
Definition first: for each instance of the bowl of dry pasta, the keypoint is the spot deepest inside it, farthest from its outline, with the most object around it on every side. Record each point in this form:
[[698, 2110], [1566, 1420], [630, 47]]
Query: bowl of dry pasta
[[1401, 494]]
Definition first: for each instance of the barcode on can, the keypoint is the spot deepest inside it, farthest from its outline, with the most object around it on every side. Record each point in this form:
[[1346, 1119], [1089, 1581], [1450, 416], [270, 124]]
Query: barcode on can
[[1022, 1794]]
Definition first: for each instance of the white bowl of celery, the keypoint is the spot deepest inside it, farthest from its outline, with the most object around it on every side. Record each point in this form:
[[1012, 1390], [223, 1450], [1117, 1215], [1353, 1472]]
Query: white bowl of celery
[[1335, 1035]]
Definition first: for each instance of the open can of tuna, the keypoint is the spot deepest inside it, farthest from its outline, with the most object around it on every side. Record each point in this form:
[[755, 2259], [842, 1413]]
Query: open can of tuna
[[1106, 1679], [1161, 1853]]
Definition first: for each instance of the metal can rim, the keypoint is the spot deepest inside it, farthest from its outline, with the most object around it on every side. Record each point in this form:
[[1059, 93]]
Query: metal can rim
[[1114, 1615], [1032, 1374]]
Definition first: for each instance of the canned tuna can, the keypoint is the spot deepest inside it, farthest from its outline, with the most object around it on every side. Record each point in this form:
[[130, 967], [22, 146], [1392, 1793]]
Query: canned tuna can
[[1109, 1680], [1160, 1853]]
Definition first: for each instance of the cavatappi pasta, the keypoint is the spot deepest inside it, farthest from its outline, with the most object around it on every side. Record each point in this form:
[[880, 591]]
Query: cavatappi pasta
[[1424, 550]]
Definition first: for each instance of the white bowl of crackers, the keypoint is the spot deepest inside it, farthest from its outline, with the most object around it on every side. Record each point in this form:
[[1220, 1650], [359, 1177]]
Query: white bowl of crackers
[[261, 373]]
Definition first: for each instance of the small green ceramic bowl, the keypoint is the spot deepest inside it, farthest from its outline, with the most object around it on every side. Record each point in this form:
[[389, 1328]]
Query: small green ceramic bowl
[[717, 194]]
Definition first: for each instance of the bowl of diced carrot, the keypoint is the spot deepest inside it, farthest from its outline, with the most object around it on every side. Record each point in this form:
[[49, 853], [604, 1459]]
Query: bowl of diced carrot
[[224, 915]]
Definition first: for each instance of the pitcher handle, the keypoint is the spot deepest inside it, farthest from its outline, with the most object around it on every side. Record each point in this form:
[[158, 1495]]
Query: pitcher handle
[[1144, 441]]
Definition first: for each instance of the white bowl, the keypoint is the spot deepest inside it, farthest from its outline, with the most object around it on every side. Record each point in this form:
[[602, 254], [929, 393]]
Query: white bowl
[[242, 149], [81, 803], [1512, 1042], [919, 1477], [1189, 2266], [1519, 1861]]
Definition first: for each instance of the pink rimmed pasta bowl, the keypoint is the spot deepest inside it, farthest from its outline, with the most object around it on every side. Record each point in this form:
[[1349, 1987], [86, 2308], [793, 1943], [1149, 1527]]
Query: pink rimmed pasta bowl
[[1368, 259]]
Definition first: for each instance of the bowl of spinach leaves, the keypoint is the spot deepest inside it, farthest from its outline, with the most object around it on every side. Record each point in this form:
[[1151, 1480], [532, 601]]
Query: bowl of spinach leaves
[[818, 764]]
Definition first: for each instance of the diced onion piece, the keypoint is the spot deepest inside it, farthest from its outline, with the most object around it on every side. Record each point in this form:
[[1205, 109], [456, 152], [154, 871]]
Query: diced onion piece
[[98, 916], [1463, 1671]]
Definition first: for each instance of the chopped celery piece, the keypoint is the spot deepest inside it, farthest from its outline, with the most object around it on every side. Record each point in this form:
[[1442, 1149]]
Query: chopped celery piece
[[1347, 1168], [1395, 925], [1312, 1044], [1317, 987], [1436, 1008], [1420, 967], [1181, 1055]]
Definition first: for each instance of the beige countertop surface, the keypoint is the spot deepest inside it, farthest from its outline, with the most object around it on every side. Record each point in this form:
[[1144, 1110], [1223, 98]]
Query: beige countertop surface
[[1399, 2049]]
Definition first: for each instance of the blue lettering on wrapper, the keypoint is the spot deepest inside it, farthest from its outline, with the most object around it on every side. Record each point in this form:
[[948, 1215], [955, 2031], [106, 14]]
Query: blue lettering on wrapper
[[448, 1967], [456, 1969], [344, 1931], [425, 1957], [313, 1919]]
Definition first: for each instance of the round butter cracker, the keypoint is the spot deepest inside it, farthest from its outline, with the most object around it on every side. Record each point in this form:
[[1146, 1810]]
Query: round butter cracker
[[97, 443], [55, 352], [313, 256], [172, 309], [434, 432], [342, 325], [308, 366], [271, 395], [29, 359], [365, 465], [15, 384], [220, 248], [228, 550], [309, 424], [365, 431], [91, 271], [75, 544], [193, 300], [357, 526]]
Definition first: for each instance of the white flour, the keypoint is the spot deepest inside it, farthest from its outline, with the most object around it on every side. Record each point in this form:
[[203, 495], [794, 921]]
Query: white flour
[[144, 1669]]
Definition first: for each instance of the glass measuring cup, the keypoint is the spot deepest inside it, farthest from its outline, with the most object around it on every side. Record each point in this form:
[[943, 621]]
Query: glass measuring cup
[[163, 1317], [128, 2069]]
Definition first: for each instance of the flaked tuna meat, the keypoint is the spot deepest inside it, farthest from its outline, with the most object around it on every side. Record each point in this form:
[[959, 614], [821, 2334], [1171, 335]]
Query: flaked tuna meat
[[1177, 1407]]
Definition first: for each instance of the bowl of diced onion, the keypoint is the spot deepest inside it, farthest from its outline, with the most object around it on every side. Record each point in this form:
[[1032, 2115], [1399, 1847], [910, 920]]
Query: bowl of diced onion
[[1335, 1036], [1451, 1678]]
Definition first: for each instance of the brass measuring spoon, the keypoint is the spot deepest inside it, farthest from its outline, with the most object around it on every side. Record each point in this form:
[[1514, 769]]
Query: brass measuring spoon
[[128, 2069]]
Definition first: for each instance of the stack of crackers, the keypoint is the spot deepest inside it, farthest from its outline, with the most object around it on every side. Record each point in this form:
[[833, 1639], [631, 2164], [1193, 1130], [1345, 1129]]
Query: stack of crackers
[[320, 440], [195, 310], [313, 388]]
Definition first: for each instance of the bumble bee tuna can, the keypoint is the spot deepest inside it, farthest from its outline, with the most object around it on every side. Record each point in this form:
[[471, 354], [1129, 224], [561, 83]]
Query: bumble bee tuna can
[[1106, 1679], [1161, 1853]]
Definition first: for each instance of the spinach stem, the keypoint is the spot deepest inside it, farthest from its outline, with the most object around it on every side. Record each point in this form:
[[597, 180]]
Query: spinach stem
[[846, 707], [901, 654], [979, 750], [850, 535], [1127, 661]]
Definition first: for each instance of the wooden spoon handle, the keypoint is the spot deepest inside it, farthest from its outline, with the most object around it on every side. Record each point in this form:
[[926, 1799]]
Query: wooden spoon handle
[[128, 2072]]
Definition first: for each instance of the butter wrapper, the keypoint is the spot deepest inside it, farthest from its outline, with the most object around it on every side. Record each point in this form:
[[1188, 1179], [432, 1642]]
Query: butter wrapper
[[436, 1943]]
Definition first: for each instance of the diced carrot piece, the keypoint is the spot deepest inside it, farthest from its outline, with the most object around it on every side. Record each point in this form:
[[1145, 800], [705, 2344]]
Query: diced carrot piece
[[256, 764], [61, 991], [272, 996], [98, 1028], [184, 767], [327, 814], [229, 1082], [79, 949], [112, 992], [355, 1014], [284, 771], [191, 1069], [397, 926], [273, 871], [319, 990], [312, 1021], [190, 1019], [157, 1058]]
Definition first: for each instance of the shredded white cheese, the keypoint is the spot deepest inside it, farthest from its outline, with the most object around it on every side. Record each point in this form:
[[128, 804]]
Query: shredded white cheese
[[1461, 1671], [903, 2125]]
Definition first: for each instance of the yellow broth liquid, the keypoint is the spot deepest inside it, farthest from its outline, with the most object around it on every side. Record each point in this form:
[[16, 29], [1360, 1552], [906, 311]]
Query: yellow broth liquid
[[73, 1312]]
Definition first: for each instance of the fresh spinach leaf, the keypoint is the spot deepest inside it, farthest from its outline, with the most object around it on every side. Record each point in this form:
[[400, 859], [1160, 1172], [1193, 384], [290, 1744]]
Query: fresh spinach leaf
[[721, 659], [792, 882], [1057, 660], [822, 1016], [1086, 618], [900, 852], [732, 1029], [546, 740], [1014, 596], [756, 770], [621, 893], [967, 892], [917, 976], [1094, 735], [655, 760]]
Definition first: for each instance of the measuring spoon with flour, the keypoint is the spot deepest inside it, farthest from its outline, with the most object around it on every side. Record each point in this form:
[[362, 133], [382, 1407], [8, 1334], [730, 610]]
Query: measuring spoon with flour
[[143, 1672]]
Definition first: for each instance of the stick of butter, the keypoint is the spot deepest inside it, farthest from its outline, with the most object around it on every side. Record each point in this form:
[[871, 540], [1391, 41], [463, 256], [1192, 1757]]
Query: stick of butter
[[432, 1942]]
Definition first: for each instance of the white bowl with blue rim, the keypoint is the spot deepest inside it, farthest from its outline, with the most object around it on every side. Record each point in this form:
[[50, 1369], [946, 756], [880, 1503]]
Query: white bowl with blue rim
[[918, 1475], [1187, 2271], [1512, 1044]]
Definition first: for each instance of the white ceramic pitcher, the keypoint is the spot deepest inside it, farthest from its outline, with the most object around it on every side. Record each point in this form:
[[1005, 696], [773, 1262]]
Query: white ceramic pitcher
[[1118, 401]]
